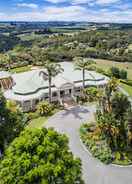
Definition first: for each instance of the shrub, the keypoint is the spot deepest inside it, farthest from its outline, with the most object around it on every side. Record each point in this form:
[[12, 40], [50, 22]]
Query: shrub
[[91, 93], [96, 144], [123, 74], [44, 108], [117, 73]]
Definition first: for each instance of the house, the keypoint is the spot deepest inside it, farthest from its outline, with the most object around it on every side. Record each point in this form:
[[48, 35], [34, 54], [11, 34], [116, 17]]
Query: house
[[28, 88]]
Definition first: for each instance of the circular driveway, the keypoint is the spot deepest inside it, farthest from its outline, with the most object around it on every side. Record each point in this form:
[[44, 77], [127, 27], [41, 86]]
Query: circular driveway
[[94, 172]]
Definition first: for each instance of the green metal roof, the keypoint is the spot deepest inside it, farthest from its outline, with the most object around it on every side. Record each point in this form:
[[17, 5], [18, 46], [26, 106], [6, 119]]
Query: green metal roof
[[29, 83]]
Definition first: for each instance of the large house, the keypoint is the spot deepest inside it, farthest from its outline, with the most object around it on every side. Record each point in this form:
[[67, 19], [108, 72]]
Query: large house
[[28, 88]]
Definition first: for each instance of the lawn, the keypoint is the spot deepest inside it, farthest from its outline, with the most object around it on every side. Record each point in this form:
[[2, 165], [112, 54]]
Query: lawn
[[41, 120], [127, 88], [30, 36], [21, 69], [107, 64], [37, 123]]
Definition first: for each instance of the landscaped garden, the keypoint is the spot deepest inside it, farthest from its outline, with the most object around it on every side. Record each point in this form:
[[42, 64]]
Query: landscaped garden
[[109, 138], [44, 110]]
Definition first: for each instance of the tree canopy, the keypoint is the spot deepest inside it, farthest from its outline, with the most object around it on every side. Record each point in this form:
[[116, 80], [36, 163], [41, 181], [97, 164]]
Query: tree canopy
[[40, 156], [12, 122]]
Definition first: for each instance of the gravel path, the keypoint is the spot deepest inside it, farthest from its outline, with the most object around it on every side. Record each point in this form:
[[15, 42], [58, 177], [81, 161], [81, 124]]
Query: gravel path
[[94, 172]]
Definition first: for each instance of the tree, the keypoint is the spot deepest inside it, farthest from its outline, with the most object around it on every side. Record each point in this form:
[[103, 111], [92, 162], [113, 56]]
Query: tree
[[123, 74], [120, 105], [83, 65], [115, 72], [12, 122], [40, 156], [110, 88], [53, 69], [9, 59], [129, 128]]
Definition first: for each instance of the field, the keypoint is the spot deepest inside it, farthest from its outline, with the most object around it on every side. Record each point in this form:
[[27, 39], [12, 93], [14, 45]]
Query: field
[[107, 64], [30, 36]]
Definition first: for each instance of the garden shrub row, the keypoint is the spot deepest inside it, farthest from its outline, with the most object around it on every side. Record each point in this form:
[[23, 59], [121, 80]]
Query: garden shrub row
[[96, 145]]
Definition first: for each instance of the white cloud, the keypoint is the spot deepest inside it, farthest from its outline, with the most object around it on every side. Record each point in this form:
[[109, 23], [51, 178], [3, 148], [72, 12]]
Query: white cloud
[[70, 13], [56, 1], [105, 2], [28, 5], [81, 1]]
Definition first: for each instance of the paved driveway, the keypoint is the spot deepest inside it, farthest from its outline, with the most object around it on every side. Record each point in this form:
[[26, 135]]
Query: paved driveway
[[94, 172]]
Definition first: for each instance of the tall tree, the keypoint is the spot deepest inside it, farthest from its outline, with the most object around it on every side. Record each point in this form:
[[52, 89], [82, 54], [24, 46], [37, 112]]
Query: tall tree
[[40, 156], [12, 122], [83, 64], [9, 59], [52, 69]]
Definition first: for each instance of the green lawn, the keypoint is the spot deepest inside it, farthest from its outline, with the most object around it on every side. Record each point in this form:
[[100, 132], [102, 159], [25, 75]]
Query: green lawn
[[107, 64], [21, 69], [40, 121], [31, 36], [37, 123], [127, 88]]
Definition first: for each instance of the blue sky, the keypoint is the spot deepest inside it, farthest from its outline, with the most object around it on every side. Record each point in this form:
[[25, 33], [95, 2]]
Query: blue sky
[[67, 10]]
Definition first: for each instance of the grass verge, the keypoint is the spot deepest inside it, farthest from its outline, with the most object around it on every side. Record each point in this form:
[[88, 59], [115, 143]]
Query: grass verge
[[37, 123], [127, 88]]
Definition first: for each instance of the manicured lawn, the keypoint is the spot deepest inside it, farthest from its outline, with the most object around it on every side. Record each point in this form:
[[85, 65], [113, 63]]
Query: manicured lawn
[[37, 123], [21, 69], [107, 64], [40, 121], [127, 88]]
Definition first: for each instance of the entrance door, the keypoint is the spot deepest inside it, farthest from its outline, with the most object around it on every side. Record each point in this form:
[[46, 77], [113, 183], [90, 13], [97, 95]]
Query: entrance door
[[62, 93]]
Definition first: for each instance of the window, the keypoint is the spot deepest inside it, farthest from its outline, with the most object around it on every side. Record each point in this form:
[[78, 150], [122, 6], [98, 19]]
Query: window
[[78, 89]]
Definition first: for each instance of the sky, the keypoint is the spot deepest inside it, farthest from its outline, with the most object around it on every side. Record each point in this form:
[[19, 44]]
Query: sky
[[119, 11]]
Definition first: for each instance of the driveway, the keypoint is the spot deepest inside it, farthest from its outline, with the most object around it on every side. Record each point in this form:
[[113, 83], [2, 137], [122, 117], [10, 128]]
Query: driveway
[[94, 172]]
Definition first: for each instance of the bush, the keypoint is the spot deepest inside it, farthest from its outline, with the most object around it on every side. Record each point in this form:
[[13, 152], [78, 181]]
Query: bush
[[44, 108], [91, 94], [117, 73], [95, 144], [123, 74]]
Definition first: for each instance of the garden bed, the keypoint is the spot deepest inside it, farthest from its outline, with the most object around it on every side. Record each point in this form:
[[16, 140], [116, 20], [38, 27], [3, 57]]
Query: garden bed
[[99, 148]]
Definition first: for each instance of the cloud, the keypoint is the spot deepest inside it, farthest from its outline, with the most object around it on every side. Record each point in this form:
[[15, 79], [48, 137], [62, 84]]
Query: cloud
[[56, 1], [81, 1], [28, 5], [70, 13], [105, 2]]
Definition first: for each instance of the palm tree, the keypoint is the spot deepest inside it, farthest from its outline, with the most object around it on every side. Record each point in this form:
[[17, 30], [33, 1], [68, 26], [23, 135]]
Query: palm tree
[[110, 88], [83, 65], [129, 128], [53, 69]]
